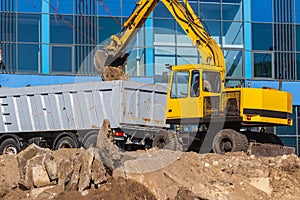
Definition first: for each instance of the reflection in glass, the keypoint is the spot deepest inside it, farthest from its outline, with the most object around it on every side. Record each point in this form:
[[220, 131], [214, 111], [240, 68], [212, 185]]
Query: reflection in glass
[[61, 59], [28, 57], [263, 65]]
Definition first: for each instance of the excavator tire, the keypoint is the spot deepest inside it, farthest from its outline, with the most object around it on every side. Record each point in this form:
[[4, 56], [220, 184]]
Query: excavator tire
[[228, 140], [167, 140]]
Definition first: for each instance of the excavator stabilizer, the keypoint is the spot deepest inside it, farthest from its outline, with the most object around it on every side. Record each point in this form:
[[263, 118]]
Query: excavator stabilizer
[[269, 150]]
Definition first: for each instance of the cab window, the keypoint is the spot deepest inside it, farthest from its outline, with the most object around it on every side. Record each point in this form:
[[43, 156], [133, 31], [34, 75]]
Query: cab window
[[195, 84], [211, 82], [180, 82]]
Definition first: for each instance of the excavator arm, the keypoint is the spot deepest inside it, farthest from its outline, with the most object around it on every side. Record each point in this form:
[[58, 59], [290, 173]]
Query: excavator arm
[[114, 54]]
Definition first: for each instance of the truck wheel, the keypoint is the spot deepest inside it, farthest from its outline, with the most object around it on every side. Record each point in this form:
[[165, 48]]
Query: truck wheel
[[228, 140], [9, 147], [66, 142], [167, 140], [90, 140], [161, 139]]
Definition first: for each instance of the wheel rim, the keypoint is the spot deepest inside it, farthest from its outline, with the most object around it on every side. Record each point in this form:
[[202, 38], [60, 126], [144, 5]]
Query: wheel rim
[[10, 150], [226, 145], [65, 145]]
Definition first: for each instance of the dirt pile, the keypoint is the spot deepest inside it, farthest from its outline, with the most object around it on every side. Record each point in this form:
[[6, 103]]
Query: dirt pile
[[114, 73], [155, 174], [107, 173]]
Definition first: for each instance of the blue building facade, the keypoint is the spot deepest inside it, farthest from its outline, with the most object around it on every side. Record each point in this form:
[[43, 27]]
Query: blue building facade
[[53, 42]]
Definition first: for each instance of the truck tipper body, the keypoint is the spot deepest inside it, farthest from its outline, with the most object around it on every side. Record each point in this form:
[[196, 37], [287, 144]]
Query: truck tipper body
[[74, 112]]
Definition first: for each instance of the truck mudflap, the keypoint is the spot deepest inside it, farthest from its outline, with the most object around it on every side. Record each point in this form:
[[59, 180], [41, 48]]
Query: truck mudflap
[[269, 150]]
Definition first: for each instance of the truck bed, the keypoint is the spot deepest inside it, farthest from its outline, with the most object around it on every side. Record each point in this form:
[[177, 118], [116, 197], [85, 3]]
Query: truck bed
[[82, 106]]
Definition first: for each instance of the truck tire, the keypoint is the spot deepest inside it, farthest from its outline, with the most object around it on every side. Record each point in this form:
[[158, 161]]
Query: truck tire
[[9, 147], [66, 142], [228, 140], [167, 140], [90, 140]]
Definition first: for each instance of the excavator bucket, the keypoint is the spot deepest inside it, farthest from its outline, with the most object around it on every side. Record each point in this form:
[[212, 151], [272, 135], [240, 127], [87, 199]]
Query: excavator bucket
[[269, 150], [105, 59]]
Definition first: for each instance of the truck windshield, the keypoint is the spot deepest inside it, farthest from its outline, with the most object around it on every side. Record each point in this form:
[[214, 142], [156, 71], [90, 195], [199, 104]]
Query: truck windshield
[[180, 82], [211, 82]]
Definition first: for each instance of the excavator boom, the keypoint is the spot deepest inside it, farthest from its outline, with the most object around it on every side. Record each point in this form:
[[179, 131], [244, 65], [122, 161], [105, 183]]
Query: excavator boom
[[114, 54]]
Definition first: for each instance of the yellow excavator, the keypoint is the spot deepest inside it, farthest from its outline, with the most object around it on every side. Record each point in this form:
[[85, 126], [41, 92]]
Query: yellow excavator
[[200, 109]]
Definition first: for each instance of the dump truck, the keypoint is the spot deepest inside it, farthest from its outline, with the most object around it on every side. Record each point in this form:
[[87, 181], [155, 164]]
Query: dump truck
[[69, 115], [200, 109]]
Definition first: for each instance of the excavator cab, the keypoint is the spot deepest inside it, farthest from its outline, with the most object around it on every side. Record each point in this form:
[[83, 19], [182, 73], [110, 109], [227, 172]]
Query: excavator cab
[[195, 94]]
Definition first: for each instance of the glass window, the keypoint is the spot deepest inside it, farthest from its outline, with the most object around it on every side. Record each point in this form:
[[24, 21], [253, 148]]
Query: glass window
[[214, 29], [297, 11], [61, 59], [262, 10], [111, 8], [298, 37], [163, 55], [61, 25], [161, 11], [232, 34], [234, 63], [210, 11], [195, 92], [262, 65], [180, 82], [61, 7], [164, 31], [28, 57], [107, 27], [136, 62], [262, 37], [29, 6], [298, 67], [7, 26], [28, 27], [127, 7], [232, 12], [211, 81]]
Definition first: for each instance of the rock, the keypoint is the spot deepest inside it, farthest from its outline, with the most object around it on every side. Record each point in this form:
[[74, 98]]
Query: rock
[[262, 184], [37, 161], [40, 176], [86, 169], [34, 193], [51, 192], [73, 184], [24, 185], [65, 172], [28, 153], [9, 168], [51, 167], [109, 153], [98, 172]]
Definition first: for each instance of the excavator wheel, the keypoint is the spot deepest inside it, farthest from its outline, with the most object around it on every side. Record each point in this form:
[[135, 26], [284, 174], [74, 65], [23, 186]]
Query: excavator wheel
[[228, 140], [167, 140]]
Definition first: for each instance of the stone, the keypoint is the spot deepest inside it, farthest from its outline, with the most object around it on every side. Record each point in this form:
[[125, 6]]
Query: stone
[[28, 153], [24, 185], [65, 172], [262, 184], [86, 170], [73, 184], [40, 177], [34, 193], [51, 167], [98, 172]]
